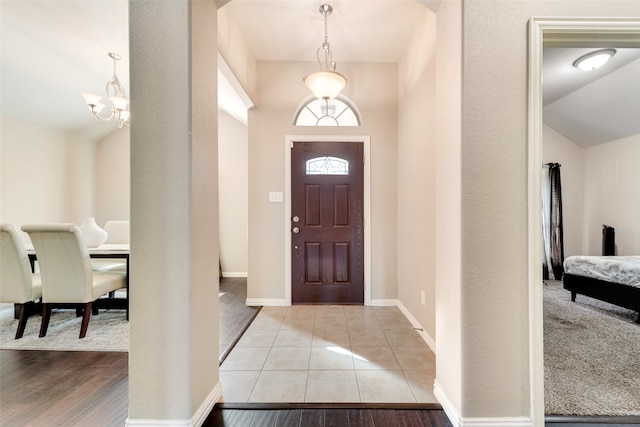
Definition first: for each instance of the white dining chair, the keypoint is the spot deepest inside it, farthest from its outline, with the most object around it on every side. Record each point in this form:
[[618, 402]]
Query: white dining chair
[[66, 273], [18, 285]]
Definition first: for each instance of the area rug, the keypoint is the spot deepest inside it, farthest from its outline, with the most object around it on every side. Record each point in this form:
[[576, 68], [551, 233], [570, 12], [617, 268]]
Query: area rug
[[591, 356], [108, 331]]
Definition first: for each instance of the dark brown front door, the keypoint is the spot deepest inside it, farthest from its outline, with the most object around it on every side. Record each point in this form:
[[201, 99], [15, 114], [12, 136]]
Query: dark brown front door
[[327, 223]]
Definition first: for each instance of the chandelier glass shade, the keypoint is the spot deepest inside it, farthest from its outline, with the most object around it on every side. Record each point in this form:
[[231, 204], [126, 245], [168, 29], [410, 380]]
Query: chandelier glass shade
[[117, 97], [326, 83]]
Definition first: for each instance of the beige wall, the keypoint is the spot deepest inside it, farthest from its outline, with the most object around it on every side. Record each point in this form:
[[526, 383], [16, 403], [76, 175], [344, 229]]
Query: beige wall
[[596, 186], [612, 185], [449, 343], [417, 175], [373, 88], [494, 199], [233, 48], [233, 176], [51, 176], [558, 149], [45, 175], [113, 176]]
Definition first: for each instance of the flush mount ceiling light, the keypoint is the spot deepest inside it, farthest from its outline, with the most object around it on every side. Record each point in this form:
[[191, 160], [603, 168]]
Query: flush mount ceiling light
[[595, 59], [116, 94], [326, 83]]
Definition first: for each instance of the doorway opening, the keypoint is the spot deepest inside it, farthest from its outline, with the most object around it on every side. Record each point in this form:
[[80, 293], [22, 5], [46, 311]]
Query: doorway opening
[[554, 32], [288, 143]]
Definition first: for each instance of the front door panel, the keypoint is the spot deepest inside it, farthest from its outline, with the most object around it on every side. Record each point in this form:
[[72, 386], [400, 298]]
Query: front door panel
[[327, 223]]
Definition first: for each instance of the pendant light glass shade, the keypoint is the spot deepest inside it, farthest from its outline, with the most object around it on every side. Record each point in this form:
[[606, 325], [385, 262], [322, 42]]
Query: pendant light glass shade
[[325, 84]]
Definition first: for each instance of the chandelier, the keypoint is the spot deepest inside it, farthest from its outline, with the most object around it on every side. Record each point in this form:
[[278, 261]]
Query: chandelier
[[327, 83], [116, 94]]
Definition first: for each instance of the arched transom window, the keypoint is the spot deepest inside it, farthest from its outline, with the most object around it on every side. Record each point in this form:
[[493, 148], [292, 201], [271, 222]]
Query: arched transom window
[[331, 112]]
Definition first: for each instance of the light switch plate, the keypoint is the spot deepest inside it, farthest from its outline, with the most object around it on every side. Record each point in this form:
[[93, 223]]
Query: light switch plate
[[276, 196]]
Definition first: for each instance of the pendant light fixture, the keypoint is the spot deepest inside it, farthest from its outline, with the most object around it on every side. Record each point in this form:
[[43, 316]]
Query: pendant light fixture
[[327, 83], [116, 94]]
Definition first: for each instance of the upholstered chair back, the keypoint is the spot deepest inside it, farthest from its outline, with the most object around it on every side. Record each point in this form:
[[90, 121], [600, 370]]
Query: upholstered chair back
[[17, 284], [65, 266]]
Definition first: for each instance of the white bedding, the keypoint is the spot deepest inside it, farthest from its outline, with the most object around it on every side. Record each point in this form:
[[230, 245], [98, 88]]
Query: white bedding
[[620, 269]]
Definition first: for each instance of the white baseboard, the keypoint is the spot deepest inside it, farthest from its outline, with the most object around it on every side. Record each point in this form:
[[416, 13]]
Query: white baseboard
[[205, 408], [396, 303], [196, 420], [458, 421], [449, 409], [267, 302], [383, 303], [418, 327], [234, 274], [497, 422], [159, 423]]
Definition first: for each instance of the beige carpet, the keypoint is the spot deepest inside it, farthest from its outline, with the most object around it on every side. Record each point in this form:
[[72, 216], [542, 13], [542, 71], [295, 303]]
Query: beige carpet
[[591, 356], [108, 331]]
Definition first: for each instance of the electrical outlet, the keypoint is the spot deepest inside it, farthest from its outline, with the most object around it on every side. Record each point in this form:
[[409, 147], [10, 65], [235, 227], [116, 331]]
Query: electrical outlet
[[423, 298]]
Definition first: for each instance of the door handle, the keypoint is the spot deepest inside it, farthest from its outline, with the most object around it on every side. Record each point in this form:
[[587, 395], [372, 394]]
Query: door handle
[[295, 230], [295, 218]]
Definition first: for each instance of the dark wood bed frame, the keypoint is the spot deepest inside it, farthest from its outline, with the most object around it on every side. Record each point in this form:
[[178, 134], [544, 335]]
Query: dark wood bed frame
[[615, 293]]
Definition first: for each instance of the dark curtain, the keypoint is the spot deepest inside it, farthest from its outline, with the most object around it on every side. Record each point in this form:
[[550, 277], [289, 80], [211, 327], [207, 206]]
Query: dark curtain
[[555, 238]]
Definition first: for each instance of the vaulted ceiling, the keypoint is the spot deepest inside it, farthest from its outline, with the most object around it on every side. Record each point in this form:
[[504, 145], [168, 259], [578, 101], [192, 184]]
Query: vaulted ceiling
[[52, 51]]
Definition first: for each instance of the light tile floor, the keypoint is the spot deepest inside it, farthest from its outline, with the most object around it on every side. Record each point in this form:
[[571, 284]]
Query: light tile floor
[[329, 354]]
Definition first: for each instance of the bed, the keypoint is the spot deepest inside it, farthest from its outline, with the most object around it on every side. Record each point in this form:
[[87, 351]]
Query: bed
[[613, 279]]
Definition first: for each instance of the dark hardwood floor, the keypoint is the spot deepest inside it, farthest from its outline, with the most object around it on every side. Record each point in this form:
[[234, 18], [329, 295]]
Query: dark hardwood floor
[[63, 388], [235, 316], [321, 415], [73, 388]]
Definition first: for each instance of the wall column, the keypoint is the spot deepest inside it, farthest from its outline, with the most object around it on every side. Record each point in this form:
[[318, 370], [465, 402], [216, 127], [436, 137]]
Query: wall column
[[173, 358]]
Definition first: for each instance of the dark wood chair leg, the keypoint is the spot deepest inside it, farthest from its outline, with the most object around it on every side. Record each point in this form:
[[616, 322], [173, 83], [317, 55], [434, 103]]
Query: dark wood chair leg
[[85, 319], [22, 320], [94, 309], [46, 315]]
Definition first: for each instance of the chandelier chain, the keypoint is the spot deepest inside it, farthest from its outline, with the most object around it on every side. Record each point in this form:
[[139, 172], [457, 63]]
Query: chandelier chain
[[326, 83], [325, 47]]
